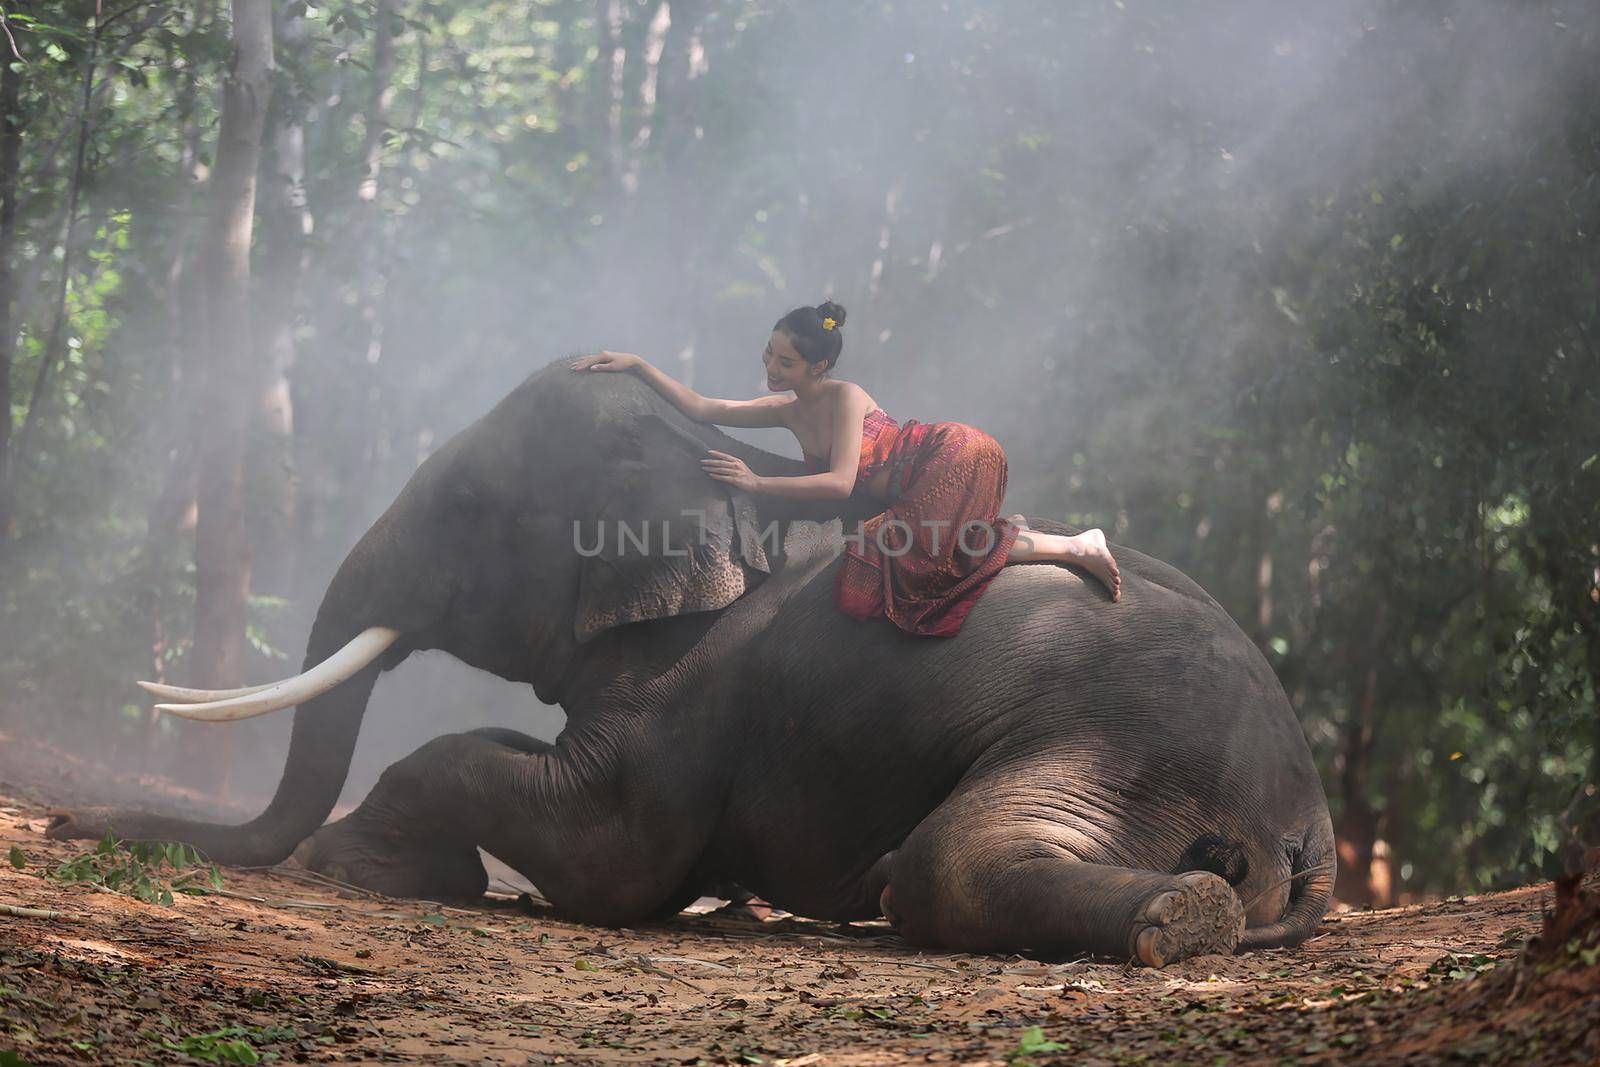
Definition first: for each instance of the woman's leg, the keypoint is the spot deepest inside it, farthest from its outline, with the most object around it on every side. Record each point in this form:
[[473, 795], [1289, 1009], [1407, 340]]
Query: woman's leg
[[1087, 550]]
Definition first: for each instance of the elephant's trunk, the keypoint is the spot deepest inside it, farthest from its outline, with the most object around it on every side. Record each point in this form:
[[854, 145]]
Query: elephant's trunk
[[1316, 863], [325, 727], [320, 749]]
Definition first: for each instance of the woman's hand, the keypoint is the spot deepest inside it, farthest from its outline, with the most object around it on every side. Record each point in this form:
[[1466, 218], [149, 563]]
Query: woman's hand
[[609, 361], [730, 469]]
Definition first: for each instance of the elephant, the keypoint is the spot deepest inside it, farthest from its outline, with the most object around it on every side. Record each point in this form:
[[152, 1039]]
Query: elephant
[[1065, 775]]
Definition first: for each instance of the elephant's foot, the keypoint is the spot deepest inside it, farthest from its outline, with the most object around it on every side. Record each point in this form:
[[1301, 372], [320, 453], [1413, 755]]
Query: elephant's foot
[[363, 854], [1201, 915]]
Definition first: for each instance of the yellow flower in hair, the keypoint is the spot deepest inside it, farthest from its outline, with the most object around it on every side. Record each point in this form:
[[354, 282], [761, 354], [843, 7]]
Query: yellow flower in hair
[[828, 324]]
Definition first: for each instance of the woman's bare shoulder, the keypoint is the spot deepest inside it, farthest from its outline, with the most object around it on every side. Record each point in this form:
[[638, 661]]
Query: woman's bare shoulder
[[848, 397]]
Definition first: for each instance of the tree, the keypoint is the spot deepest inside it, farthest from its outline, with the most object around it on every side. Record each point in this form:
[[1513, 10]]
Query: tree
[[11, 120], [222, 541]]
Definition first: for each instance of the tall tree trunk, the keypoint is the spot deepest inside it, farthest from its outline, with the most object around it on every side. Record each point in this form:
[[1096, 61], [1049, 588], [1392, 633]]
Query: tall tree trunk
[[286, 226], [10, 153], [222, 544], [677, 100], [1357, 829], [171, 514], [613, 61], [654, 43], [173, 511], [17, 454], [671, 116], [382, 95], [373, 270]]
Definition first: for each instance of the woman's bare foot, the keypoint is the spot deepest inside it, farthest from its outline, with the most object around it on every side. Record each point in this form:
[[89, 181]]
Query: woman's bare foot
[[1088, 550]]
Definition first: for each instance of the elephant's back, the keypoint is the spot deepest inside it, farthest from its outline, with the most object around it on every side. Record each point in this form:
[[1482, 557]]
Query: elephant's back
[[1160, 695]]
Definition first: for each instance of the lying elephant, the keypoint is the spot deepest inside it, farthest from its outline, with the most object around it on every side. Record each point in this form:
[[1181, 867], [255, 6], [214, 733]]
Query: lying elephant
[[1041, 782]]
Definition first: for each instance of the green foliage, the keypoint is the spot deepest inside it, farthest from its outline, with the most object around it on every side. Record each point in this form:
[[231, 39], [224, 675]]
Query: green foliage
[[1332, 348], [231, 1044], [136, 869], [1455, 966], [1033, 1043]]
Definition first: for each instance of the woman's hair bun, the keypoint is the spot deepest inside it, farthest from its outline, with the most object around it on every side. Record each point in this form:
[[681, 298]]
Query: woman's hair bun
[[815, 332]]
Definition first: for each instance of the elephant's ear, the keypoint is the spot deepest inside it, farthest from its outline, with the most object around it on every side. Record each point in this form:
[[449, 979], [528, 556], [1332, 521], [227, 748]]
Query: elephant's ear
[[665, 539]]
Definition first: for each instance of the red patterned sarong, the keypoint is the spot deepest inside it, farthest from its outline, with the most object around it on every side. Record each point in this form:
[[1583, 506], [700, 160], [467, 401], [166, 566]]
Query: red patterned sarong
[[924, 562]]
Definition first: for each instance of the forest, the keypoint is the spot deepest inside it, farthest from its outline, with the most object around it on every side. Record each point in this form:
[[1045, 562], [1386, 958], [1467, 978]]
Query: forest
[[1304, 299]]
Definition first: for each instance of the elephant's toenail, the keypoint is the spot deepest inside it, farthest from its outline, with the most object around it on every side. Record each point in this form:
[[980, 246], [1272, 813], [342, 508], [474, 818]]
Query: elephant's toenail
[[1164, 908], [886, 905], [1148, 947]]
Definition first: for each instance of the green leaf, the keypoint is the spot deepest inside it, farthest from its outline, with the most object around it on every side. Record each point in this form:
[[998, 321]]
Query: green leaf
[[1032, 1043], [19, 858]]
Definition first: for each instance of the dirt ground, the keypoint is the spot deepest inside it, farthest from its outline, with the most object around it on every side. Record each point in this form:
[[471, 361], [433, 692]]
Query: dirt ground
[[287, 968]]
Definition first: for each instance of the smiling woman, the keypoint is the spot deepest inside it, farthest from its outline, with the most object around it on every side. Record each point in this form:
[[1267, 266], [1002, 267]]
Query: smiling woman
[[926, 558]]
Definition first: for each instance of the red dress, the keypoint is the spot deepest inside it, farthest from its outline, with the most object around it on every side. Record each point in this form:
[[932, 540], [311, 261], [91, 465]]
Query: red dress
[[924, 562]]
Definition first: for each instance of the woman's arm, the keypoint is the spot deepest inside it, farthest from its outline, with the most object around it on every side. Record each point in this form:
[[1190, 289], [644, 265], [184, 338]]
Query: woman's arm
[[767, 411], [839, 481]]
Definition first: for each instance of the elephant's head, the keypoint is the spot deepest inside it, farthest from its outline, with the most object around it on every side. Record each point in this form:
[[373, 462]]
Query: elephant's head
[[576, 505]]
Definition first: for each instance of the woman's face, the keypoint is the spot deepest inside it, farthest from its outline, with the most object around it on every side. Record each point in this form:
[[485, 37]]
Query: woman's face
[[785, 367]]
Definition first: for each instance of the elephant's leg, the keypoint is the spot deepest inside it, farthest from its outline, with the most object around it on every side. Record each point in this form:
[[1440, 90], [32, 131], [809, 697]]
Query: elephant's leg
[[383, 846], [513, 739], [379, 846], [989, 874], [595, 835]]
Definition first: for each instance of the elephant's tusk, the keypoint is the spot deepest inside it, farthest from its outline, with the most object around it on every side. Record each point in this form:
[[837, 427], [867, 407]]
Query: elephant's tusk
[[366, 647], [179, 695]]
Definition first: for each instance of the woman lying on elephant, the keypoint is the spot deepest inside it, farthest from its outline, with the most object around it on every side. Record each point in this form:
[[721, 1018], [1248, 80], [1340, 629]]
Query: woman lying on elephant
[[924, 561]]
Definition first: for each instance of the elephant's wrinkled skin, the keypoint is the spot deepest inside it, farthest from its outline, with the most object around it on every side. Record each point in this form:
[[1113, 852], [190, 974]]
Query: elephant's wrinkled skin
[[1035, 783]]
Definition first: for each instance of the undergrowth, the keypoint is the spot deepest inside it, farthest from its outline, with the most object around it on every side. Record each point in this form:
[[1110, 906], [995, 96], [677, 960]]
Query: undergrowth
[[151, 871]]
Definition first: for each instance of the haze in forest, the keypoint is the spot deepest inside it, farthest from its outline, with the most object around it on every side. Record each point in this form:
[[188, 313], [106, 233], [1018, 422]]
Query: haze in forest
[[1240, 283]]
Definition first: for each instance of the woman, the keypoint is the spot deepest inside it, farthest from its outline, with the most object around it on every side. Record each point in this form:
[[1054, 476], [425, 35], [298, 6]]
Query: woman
[[924, 561]]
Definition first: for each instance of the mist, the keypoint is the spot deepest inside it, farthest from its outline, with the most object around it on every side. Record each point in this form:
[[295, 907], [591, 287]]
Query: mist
[[1105, 233]]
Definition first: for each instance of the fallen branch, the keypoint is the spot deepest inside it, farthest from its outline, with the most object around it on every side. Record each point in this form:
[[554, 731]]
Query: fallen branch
[[324, 963], [904, 963], [646, 964], [688, 959], [233, 894], [301, 874], [28, 913]]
